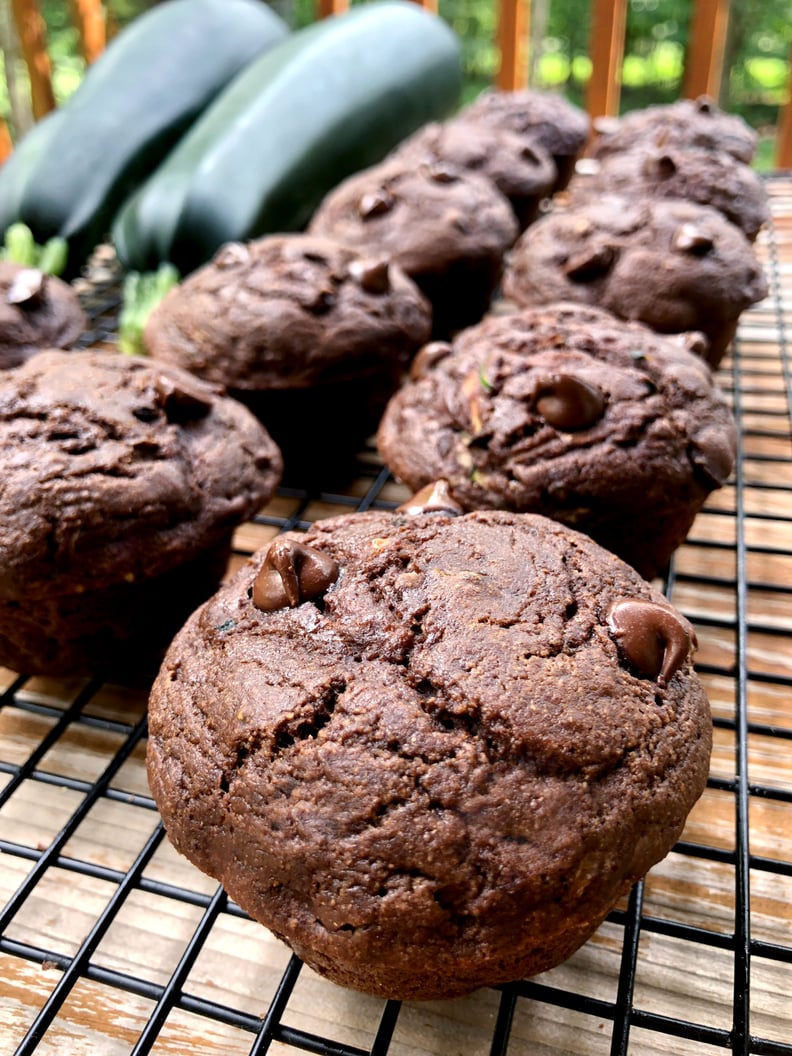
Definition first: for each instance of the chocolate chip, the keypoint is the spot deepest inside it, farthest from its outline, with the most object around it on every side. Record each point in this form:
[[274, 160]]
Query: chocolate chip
[[592, 263], [434, 498], [569, 403], [713, 454], [440, 172], [691, 239], [291, 574], [320, 301], [373, 276], [27, 287], [180, 401], [527, 153], [375, 204], [664, 166], [653, 639], [428, 357], [231, 255]]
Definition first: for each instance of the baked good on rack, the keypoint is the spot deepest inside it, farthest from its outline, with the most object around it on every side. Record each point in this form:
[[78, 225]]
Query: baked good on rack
[[123, 481], [36, 311], [699, 124], [429, 752], [673, 265], [708, 177], [313, 336], [521, 170], [546, 118], [447, 228], [569, 412]]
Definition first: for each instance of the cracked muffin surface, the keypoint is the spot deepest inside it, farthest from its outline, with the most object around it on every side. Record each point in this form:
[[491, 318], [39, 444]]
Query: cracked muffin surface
[[569, 412], [442, 770], [447, 227], [671, 264], [123, 482]]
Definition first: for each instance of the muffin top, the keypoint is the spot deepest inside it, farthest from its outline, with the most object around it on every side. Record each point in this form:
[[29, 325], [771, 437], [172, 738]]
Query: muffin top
[[545, 117], [519, 169], [289, 311], [423, 216], [671, 264], [696, 123], [569, 412], [36, 311], [709, 177], [429, 751], [116, 467]]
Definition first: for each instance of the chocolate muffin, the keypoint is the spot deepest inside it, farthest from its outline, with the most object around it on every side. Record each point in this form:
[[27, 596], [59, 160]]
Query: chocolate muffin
[[674, 265], [698, 124], [568, 412], [545, 118], [447, 228], [521, 170], [36, 311], [712, 178], [123, 482], [429, 752], [311, 335]]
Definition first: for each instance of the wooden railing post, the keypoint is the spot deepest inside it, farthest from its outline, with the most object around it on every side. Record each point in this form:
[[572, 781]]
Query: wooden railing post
[[33, 41], [608, 25], [512, 34], [6, 146], [331, 7], [88, 16], [709, 25], [783, 151]]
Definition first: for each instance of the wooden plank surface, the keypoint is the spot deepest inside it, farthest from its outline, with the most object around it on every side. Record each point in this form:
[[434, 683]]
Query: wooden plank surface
[[240, 965]]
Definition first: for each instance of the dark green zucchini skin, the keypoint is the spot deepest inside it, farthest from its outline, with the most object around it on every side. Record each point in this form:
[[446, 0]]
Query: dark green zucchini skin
[[133, 104], [332, 99], [16, 171]]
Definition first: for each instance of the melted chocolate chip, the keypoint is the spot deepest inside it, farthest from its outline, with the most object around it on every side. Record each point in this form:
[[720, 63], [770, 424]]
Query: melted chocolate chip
[[320, 301], [373, 276], [653, 639], [664, 166], [231, 255], [569, 403], [434, 498], [440, 172], [527, 153], [691, 239], [375, 204], [713, 454], [428, 357], [591, 264], [27, 288], [180, 402], [291, 574]]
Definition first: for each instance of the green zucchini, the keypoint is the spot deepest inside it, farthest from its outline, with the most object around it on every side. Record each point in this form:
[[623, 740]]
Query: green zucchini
[[141, 94], [330, 100], [17, 169]]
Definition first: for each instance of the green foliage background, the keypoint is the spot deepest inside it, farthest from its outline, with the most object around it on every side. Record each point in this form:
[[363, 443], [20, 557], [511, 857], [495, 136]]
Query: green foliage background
[[754, 86]]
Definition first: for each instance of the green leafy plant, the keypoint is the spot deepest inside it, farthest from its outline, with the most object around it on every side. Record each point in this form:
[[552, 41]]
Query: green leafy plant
[[20, 247], [142, 292]]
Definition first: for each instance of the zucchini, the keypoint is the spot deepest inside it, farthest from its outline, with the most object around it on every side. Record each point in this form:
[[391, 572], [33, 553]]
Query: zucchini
[[17, 169], [141, 94], [330, 100]]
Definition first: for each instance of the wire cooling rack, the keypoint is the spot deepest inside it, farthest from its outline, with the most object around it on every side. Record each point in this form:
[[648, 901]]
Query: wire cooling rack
[[111, 944]]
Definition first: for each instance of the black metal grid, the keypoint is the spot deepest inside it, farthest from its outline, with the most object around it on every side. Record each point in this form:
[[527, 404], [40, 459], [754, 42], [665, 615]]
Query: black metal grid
[[84, 741]]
